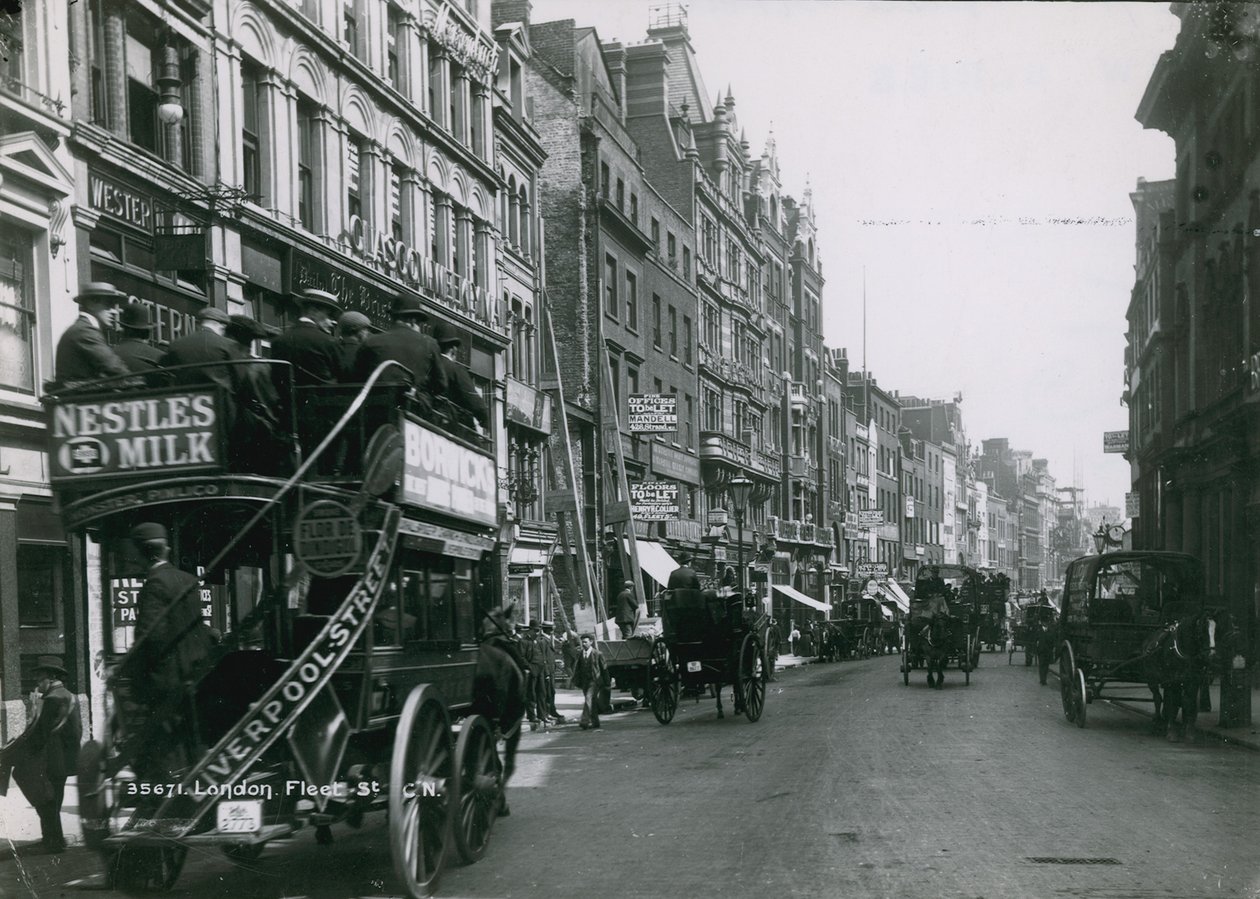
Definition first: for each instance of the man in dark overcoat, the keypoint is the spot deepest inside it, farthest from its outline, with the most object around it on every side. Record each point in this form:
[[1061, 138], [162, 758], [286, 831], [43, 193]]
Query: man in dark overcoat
[[47, 752], [684, 577], [460, 390], [83, 355], [309, 345], [550, 646], [627, 610], [405, 343], [134, 349], [172, 648], [260, 439], [204, 351]]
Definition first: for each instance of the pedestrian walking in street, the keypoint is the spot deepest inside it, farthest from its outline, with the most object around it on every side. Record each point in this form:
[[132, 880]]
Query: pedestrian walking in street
[[589, 675], [47, 752], [794, 637], [82, 354], [627, 610]]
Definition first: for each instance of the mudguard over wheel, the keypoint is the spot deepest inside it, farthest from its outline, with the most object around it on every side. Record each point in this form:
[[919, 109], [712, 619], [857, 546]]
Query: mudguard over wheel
[[479, 793], [421, 777]]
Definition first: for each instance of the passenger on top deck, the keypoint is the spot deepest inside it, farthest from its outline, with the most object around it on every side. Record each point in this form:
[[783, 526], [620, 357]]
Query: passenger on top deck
[[460, 390], [83, 355], [683, 577], [405, 343], [308, 345]]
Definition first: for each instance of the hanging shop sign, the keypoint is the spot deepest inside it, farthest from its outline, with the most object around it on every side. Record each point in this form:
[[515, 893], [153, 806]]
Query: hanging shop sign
[[162, 430], [327, 538], [654, 500], [403, 263], [653, 413], [1115, 441], [448, 477]]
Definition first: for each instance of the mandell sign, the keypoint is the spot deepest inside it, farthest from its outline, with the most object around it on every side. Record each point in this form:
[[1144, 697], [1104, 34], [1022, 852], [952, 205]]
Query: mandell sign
[[166, 431], [448, 477]]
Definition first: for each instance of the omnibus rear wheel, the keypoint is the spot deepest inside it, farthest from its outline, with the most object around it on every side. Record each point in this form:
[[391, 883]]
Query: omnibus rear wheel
[[421, 775]]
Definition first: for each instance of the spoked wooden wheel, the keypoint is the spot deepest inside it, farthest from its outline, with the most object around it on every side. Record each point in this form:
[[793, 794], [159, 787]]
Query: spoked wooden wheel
[[480, 788], [752, 677], [662, 683], [1071, 687], [145, 869], [1080, 697], [969, 665], [905, 661], [421, 776]]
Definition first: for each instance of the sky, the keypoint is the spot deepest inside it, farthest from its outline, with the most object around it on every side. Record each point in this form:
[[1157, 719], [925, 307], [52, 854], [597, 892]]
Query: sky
[[971, 166]]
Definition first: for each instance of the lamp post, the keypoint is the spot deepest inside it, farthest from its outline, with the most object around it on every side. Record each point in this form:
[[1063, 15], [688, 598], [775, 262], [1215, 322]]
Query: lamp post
[[740, 487]]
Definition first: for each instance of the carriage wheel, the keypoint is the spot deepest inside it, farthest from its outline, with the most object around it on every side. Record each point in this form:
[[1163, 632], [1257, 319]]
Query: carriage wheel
[[1067, 681], [421, 772], [145, 869], [662, 684], [93, 810], [967, 668], [905, 661], [480, 788], [1079, 696], [752, 677]]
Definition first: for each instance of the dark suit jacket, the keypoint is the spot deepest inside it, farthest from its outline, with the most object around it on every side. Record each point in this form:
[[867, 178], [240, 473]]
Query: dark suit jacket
[[418, 352], [461, 391], [180, 642], [589, 670], [205, 348], [83, 355], [138, 355], [314, 354], [51, 742], [627, 607], [683, 578]]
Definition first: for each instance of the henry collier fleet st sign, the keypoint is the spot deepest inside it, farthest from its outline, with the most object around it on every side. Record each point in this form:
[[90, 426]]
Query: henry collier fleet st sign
[[110, 437]]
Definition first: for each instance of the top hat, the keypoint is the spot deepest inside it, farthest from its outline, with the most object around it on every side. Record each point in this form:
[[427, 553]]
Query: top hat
[[136, 317], [312, 297], [211, 314], [407, 305], [49, 663], [100, 291], [149, 530], [446, 335]]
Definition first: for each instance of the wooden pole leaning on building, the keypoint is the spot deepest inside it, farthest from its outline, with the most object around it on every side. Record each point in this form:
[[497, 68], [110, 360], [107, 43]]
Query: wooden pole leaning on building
[[618, 512], [561, 498]]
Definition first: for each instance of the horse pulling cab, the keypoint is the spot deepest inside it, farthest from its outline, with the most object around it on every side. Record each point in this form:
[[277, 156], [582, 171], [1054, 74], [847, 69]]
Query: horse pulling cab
[[341, 589], [710, 640], [943, 625], [1131, 618]]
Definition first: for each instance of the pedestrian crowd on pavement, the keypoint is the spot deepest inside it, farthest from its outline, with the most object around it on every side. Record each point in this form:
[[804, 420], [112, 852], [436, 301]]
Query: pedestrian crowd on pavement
[[325, 346]]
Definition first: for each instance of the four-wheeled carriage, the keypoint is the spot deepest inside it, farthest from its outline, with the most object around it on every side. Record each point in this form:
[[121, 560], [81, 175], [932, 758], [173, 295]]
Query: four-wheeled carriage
[[1131, 618], [708, 641], [993, 590], [347, 583], [1032, 630], [943, 624], [862, 626]]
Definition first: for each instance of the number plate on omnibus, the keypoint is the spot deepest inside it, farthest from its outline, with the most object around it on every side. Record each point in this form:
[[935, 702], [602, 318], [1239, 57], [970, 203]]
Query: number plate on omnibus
[[693, 666], [240, 816]]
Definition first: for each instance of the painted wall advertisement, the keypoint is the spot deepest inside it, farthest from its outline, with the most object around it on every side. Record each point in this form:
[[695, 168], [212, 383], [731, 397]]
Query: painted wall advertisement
[[124, 601], [653, 413], [654, 500], [448, 477]]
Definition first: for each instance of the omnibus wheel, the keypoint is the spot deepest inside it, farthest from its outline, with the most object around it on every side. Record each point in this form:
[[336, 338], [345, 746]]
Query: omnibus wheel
[[479, 779], [421, 775], [662, 684], [752, 677]]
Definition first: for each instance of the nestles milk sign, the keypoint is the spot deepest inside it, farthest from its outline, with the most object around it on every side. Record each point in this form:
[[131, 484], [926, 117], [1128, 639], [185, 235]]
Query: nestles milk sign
[[447, 477], [163, 433]]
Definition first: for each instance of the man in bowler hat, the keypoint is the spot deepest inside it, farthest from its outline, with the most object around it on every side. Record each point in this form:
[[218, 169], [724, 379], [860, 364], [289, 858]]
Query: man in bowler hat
[[684, 577], [405, 343], [134, 349], [47, 752], [309, 345], [460, 390], [83, 355], [172, 648]]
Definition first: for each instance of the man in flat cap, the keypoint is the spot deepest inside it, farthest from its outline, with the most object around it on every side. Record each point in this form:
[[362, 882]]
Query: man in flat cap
[[308, 345], [47, 752], [134, 349], [405, 343], [83, 355], [627, 610], [352, 329], [172, 648], [460, 390]]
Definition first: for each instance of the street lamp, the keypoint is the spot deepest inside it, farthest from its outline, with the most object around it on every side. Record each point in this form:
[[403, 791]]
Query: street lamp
[[740, 488]]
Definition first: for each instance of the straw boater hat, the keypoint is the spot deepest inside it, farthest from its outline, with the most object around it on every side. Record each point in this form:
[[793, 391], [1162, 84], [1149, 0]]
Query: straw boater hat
[[313, 297], [100, 291]]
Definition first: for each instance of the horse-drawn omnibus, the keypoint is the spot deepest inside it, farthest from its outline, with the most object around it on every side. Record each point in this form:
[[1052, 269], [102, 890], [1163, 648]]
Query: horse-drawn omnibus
[[943, 625], [348, 578], [1133, 618], [862, 626]]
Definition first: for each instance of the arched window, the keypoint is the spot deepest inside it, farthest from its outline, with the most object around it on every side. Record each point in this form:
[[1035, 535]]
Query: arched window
[[523, 203]]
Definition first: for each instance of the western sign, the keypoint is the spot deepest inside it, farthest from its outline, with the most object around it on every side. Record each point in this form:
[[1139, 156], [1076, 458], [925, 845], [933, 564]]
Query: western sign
[[447, 477], [135, 434]]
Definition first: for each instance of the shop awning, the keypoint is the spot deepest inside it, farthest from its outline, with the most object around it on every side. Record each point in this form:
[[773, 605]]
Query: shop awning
[[655, 560], [894, 592], [793, 593]]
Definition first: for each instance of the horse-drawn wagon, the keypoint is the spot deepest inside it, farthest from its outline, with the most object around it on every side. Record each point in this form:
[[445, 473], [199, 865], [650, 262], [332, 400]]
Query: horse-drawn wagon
[[862, 626], [993, 593], [346, 581], [943, 624], [709, 641], [1133, 618], [629, 663], [1033, 629]]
